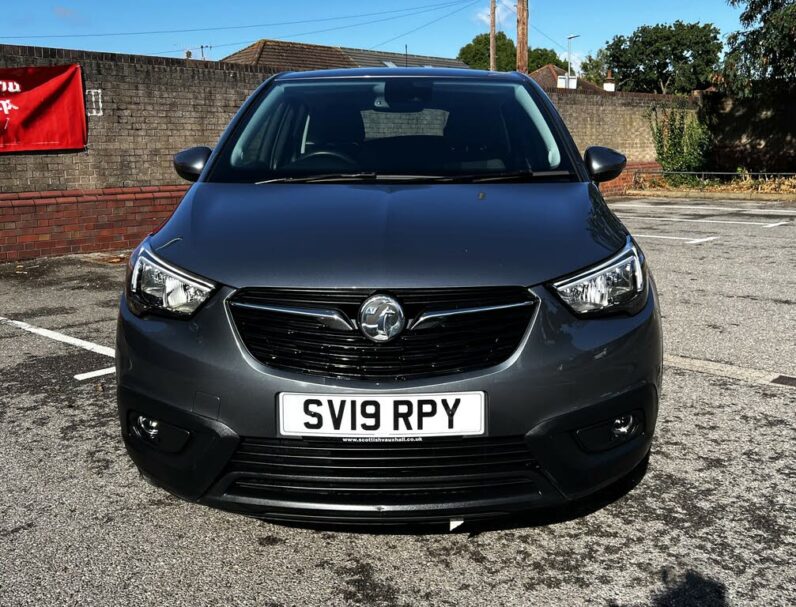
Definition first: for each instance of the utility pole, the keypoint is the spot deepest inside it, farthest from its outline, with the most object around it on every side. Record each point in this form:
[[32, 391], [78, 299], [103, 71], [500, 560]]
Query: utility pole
[[492, 42], [522, 36], [570, 38]]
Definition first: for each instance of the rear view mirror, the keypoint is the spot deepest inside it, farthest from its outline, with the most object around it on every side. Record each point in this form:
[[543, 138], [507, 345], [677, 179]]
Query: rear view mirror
[[407, 95], [604, 164], [190, 163]]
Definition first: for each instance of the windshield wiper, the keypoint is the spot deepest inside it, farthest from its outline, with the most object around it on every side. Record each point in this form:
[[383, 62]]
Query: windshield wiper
[[324, 177], [506, 176], [519, 176]]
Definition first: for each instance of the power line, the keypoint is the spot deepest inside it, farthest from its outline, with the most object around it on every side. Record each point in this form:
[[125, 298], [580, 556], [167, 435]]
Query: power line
[[235, 27], [536, 29], [324, 30], [412, 31], [556, 42]]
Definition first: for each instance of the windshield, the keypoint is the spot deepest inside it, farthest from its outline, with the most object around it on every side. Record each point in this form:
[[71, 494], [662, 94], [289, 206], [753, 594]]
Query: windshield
[[368, 128]]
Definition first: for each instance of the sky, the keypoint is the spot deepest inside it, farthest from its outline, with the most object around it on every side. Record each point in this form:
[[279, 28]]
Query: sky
[[427, 27]]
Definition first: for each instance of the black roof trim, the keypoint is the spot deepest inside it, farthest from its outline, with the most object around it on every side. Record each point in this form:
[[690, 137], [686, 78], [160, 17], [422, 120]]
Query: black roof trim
[[438, 72]]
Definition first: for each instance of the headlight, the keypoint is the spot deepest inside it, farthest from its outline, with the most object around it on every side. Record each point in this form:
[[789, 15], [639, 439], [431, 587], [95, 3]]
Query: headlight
[[616, 284], [156, 286]]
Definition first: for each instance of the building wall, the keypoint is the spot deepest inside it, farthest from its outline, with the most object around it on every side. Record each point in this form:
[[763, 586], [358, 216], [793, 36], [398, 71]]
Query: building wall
[[123, 185], [618, 120], [151, 107], [38, 224], [141, 111]]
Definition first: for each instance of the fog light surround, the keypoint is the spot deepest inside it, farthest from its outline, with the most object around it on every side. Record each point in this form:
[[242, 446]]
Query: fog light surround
[[611, 432], [148, 427], [156, 433], [623, 425]]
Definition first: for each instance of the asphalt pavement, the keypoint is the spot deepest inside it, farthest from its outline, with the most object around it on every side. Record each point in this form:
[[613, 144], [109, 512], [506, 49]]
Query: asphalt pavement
[[711, 522]]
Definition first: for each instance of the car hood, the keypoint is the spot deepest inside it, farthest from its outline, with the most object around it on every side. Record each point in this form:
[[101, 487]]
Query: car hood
[[382, 236]]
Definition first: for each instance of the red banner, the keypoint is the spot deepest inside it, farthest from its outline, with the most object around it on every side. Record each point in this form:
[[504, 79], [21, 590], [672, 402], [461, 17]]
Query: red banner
[[42, 108]]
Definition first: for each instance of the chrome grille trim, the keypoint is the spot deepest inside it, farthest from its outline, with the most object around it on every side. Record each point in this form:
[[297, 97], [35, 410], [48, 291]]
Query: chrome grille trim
[[328, 318], [430, 318]]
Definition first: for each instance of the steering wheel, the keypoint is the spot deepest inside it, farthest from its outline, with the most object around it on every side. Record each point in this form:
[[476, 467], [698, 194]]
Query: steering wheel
[[330, 154]]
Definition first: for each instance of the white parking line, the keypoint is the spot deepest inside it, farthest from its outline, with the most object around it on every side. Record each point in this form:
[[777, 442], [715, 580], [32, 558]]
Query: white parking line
[[754, 376], [678, 219], [666, 207], [72, 341], [93, 374], [700, 240], [687, 240]]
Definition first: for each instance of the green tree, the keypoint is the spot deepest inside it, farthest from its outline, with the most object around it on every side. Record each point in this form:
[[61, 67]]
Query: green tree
[[681, 140], [476, 53], [539, 57], [665, 58], [765, 49], [594, 68]]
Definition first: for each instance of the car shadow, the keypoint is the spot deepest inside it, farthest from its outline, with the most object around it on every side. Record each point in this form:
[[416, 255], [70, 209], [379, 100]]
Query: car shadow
[[693, 588]]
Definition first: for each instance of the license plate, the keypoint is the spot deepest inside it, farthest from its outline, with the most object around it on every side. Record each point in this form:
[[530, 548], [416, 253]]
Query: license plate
[[381, 415]]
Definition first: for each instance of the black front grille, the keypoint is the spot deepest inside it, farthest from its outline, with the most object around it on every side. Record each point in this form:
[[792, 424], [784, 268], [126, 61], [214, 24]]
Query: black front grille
[[367, 473], [460, 343]]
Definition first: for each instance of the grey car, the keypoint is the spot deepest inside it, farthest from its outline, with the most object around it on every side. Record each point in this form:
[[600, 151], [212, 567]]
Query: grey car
[[391, 295]]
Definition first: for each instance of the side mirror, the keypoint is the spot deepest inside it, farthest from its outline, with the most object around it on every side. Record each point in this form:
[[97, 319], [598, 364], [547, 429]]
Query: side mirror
[[604, 164], [189, 163]]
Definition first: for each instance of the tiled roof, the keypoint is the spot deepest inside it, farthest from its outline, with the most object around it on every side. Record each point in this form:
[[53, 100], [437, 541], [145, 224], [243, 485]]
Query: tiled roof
[[365, 58], [547, 77], [293, 56], [249, 55], [296, 56]]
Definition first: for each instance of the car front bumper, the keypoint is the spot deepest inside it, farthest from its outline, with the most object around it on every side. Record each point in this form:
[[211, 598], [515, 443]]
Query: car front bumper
[[569, 374]]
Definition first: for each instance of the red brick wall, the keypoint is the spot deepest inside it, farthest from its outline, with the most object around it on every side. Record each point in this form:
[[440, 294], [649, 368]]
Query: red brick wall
[[621, 184], [122, 186], [36, 224]]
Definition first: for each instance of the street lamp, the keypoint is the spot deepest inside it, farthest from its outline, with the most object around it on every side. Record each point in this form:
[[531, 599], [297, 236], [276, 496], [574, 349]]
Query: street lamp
[[570, 38]]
